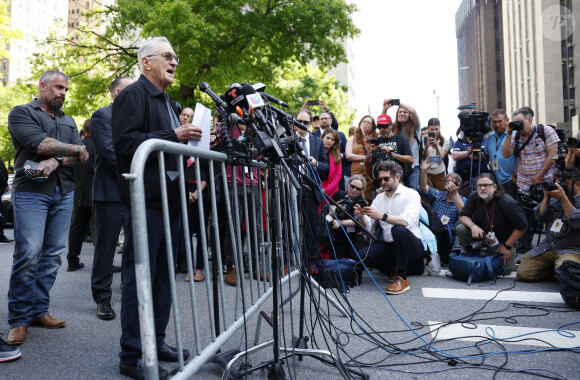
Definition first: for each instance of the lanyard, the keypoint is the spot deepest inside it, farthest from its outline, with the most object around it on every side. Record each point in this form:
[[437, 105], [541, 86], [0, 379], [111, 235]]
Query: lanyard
[[492, 215], [498, 143]]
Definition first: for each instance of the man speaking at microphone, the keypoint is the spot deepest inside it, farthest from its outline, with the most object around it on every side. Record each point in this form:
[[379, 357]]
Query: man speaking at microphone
[[144, 111]]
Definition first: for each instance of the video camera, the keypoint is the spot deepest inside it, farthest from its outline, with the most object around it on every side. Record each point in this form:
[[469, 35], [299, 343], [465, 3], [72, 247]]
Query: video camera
[[474, 125]]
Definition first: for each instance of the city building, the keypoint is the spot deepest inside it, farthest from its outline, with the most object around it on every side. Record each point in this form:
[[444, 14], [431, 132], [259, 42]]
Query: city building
[[479, 30], [34, 19]]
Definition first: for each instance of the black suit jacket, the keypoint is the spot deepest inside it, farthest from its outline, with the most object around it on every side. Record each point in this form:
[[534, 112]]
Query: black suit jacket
[[83, 176], [319, 153], [105, 186]]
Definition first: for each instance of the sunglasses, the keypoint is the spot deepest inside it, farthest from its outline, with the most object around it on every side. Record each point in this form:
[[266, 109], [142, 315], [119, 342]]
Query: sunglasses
[[386, 179], [355, 187], [384, 126], [305, 122]]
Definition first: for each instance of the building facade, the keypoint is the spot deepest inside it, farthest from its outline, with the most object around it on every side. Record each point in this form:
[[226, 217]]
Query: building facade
[[479, 30]]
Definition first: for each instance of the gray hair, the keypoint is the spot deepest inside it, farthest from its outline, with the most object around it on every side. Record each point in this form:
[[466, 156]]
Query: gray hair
[[148, 48], [456, 176], [359, 177], [116, 84], [48, 76], [526, 111]]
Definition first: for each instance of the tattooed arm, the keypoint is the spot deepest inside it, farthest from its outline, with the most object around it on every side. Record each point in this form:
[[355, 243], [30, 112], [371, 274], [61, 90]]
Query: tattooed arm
[[71, 153]]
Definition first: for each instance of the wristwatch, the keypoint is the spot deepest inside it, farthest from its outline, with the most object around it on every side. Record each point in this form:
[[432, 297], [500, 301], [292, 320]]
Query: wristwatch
[[509, 247], [59, 159], [384, 218]]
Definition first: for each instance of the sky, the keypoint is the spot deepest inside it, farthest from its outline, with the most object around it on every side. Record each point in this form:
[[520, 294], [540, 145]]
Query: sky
[[407, 49]]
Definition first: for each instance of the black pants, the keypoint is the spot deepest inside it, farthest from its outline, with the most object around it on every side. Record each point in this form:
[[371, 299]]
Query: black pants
[[109, 219], [159, 269], [79, 228], [405, 253]]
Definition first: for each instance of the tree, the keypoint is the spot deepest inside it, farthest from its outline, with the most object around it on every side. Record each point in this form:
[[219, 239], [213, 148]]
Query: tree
[[218, 41], [10, 96], [295, 83]]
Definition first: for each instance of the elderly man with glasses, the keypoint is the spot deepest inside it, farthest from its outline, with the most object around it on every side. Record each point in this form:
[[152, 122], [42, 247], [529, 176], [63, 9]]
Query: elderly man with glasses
[[491, 214]]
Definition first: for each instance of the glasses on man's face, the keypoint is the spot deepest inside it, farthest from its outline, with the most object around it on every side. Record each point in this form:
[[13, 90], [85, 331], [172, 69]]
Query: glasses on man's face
[[355, 187], [305, 122], [484, 185], [168, 56], [383, 126], [386, 179]]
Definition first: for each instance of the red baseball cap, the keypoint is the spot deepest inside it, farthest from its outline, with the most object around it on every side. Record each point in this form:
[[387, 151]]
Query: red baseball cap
[[384, 119]]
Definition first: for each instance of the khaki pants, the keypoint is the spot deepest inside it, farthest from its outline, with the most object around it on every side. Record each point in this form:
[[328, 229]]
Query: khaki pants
[[543, 266]]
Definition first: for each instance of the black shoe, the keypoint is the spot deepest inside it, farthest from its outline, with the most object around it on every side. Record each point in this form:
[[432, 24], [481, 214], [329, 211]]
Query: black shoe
[[105, 311], [75, 266], [5, 240], [8, 353], [116, 269], [167, 353], [136, 371]]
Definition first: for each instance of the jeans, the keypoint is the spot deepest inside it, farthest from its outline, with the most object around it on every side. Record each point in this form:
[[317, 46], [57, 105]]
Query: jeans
[[414, 178], [41, 226]]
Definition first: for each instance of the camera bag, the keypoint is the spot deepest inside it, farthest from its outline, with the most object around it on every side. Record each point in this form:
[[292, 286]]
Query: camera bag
[[331, 273], [568, 274], [474, 268]]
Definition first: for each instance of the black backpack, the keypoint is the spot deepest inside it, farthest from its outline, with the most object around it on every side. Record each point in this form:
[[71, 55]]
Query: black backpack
[[568, 274], [435, 224]]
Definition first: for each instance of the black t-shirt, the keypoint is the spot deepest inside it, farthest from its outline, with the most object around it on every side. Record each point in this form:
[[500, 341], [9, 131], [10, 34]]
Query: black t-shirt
[[505, 214], [398, 143]]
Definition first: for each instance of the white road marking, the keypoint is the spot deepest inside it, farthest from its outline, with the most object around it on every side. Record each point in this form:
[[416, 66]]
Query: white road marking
[[513, 335], [513, 296]]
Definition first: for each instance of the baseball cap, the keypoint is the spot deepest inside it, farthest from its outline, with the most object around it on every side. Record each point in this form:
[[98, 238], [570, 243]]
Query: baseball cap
[[384, 120]]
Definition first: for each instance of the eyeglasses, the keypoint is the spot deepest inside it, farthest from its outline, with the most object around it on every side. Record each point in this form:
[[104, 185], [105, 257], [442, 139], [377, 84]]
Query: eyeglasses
[[484, 185], [367, 122], [386, 179], [168, 56], [355, 187], [305, 122], [383, 126]]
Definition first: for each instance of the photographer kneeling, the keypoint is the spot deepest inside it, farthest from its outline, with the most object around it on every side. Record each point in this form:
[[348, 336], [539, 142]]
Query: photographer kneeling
[[562, 242], [495, 216], [342, 242]]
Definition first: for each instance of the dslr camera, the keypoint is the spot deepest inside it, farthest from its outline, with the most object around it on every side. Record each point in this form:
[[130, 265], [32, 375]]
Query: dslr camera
[[348, 206], [516, 125]]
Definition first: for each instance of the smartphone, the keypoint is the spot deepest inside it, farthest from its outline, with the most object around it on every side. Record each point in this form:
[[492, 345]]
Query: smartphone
[[431, 135], [434, 159], [395, 102], [314, 102]]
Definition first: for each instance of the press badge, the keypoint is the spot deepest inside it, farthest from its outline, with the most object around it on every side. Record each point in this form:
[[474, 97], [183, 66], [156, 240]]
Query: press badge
[[491, 239], [350, 229], [557, 226], [444, 220], [495, 165]]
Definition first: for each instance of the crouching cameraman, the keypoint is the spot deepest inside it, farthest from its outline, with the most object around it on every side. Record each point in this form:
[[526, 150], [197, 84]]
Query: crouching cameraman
[[493, 215], [562, 242], [342, 246]]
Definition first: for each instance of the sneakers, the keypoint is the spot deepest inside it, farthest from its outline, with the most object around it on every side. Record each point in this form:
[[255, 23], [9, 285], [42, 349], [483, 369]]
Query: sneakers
[[399, 285], [434, 264], [7, 352], [5, 240]]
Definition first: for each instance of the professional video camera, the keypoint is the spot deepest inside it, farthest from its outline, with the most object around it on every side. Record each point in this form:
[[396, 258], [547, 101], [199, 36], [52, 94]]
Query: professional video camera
[[474, 125]]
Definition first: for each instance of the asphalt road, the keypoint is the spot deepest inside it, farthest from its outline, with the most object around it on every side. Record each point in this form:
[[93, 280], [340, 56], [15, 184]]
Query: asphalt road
[[379, 333]]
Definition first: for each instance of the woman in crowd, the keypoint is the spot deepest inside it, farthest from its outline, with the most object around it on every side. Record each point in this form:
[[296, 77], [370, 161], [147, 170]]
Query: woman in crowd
[[358, 146], [436, 145], [407, 124], [332, 147]]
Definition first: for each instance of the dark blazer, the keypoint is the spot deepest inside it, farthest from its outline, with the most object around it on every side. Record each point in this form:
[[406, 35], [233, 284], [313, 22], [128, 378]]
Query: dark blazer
[[139, 114], [83, 176], [319, 153], [105, 186]]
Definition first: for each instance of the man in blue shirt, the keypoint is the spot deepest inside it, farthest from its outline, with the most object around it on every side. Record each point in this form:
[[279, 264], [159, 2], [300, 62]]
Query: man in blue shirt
[[502, 167]]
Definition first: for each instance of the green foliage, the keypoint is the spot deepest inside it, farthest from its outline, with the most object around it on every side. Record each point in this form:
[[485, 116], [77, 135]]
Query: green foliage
[[9, 97], [217, 41], [296, 83], [7, 34]]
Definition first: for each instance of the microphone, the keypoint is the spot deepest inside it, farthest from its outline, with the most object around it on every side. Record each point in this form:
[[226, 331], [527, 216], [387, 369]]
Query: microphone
[[204, 87], [260, 88]]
